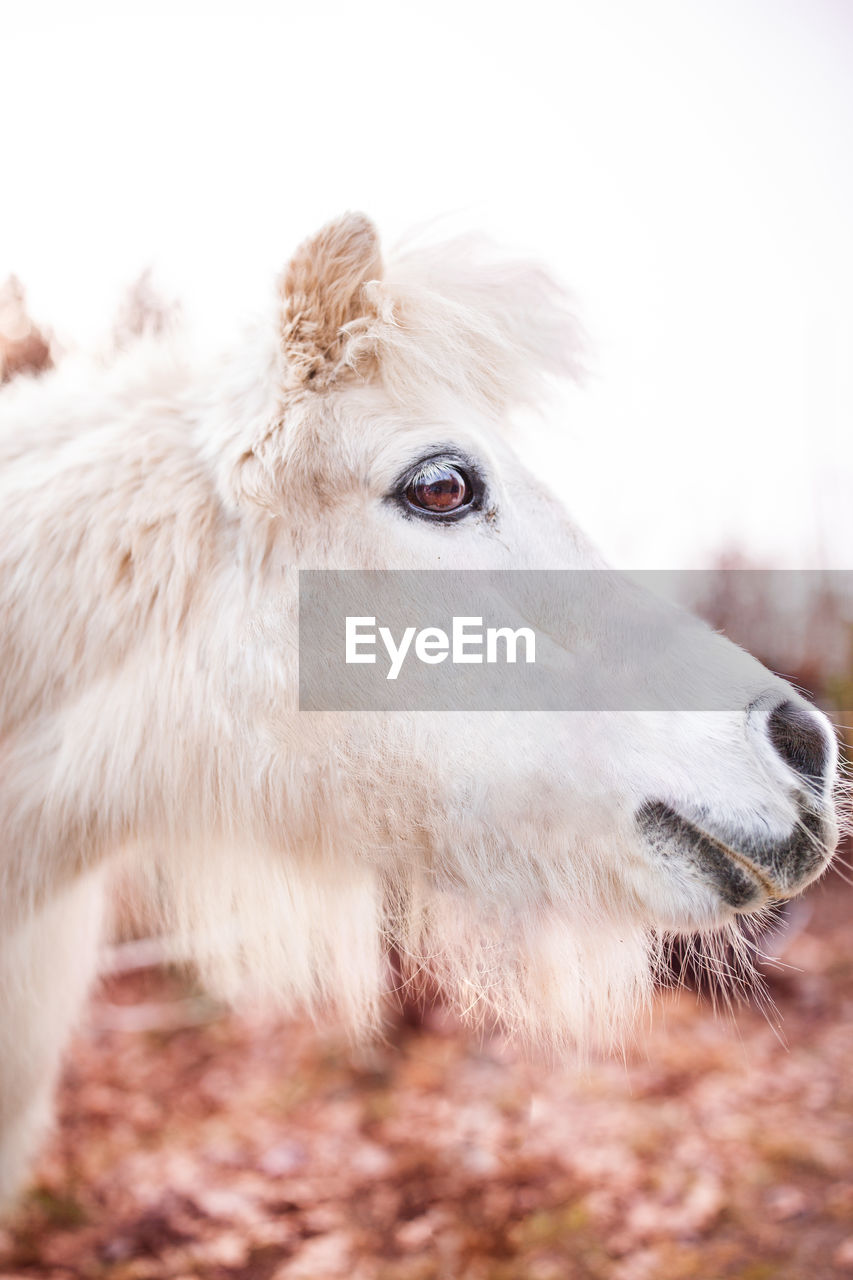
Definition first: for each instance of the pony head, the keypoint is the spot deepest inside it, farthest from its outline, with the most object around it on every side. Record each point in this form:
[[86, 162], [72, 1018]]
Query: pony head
[[531, 862]]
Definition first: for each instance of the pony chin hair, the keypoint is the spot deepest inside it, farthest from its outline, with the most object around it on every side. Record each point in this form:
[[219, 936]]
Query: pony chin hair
[[289, 934], [317, 935], [554, 985]]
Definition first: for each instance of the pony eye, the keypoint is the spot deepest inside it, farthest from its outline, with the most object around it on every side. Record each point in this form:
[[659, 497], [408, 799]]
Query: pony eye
[[439, 488]]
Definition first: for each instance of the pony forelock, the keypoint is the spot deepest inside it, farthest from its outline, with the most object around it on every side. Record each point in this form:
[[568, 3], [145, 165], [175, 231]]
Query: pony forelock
[[460, 318]]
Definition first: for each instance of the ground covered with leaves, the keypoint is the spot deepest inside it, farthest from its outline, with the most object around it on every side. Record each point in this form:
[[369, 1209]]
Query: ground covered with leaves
[[248, 1148]]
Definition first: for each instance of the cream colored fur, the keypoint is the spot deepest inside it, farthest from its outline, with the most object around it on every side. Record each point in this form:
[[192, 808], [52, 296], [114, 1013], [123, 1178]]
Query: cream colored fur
[[153, 516]]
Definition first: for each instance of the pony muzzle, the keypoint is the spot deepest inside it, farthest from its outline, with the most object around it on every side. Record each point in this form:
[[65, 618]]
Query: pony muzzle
[[744, 871]]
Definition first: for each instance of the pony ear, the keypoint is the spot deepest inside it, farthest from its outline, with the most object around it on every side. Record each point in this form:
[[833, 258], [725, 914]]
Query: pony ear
[[322, 292]]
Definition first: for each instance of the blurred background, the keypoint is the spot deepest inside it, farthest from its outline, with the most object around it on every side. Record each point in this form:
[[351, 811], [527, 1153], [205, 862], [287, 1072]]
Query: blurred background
[[685, 168], [688, 170]]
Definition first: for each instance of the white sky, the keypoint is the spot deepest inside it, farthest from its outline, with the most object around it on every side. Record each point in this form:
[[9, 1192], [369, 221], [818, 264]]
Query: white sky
[[686, 166]]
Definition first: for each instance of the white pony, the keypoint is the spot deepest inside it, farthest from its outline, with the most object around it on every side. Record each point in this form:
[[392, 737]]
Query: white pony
[[152, 522]]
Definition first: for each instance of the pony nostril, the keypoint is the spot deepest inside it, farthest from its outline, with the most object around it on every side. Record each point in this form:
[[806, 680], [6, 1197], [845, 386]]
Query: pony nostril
[[801, 740]]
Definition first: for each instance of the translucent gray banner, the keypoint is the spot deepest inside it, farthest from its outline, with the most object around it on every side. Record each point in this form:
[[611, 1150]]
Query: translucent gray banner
[[564, 640]]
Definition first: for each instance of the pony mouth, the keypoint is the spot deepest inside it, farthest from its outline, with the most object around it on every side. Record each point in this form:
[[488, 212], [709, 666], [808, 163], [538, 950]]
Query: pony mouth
[[752, 872]]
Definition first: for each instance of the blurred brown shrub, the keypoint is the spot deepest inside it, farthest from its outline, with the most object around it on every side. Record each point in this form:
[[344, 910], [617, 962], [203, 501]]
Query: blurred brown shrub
[[799, 623]]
